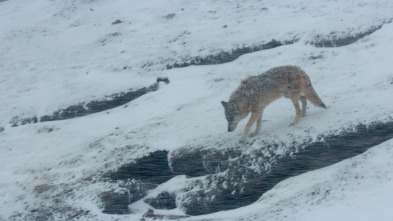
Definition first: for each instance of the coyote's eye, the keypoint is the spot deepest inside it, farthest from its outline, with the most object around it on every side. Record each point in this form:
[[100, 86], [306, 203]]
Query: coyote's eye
[[229, 117]]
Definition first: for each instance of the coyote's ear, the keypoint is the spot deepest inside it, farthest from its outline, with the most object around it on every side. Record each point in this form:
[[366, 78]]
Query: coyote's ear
[[224, 104]]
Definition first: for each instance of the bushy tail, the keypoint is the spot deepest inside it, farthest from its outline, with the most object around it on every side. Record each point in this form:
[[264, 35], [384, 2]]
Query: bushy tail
[[312, 96]]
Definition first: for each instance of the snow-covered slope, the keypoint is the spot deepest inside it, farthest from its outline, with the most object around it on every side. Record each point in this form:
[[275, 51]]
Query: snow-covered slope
[[54, 54], [71, 49]]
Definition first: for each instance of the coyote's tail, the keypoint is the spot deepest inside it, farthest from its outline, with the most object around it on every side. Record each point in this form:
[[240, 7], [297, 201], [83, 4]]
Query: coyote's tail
[[312, 96]]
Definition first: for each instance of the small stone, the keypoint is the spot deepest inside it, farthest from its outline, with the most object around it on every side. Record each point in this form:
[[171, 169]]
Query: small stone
[[118, 21], [170, 16], [149, 213]]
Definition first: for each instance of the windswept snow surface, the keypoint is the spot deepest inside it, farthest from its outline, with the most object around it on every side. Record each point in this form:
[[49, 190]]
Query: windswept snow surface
[[54, 54]]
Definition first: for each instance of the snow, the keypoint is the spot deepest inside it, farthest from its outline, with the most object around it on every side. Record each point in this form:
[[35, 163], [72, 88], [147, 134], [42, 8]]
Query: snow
[[58, 53]]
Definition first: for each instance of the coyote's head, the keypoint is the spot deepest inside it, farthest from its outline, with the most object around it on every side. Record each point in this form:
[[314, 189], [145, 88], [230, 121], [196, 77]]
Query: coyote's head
[[232, 115]]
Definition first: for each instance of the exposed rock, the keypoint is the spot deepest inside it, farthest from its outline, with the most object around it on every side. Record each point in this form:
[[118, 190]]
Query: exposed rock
[[150, 214], [143, 175], [115, 202], [51, 213], [91, 107], [334, 41], [170, 16], [138, 189], [39, 189], [199, 161], [163, 79], [153, 169], [118, 21], [163, 200], [187, 162], [224, 57]]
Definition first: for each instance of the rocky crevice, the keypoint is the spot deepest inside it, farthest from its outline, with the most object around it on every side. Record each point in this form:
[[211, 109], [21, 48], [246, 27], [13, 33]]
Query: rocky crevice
[[91, 107], [228, 56], [333, 40], [136, 179]]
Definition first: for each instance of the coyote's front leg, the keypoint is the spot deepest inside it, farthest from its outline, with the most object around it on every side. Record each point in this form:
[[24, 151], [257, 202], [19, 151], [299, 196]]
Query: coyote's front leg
[[250, 122], [259, 123]]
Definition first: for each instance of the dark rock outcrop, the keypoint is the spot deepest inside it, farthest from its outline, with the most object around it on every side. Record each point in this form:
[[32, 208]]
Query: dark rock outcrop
[[334, 41], [151, 215], [225, 56], [163, 200], [86, 108], [138, 178], [136, 189], [115, 202], [153, 169], [117, 21]]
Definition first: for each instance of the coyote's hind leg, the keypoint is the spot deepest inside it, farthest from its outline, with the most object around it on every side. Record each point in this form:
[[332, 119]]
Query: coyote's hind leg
[[295, 102]]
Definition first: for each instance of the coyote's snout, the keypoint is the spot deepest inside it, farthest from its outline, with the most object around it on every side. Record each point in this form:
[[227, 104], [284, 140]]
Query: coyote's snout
[[256, 92], [232, 115]]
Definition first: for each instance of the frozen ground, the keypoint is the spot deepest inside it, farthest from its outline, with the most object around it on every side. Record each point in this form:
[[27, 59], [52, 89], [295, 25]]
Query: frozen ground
[[54, 54]]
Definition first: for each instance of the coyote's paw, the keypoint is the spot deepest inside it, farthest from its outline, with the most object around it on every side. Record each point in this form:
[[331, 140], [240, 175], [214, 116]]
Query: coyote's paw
[[253, 134], [293, 123]]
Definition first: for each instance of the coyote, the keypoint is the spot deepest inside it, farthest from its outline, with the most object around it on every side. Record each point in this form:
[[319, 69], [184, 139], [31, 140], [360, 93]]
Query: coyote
[[256, 92]]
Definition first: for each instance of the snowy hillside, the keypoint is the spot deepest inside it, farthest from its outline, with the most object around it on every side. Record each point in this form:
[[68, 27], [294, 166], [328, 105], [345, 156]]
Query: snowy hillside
[[55, 54]]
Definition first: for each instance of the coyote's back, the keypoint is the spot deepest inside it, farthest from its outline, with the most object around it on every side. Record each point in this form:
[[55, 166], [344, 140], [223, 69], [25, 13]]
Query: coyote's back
[[256, 92]]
